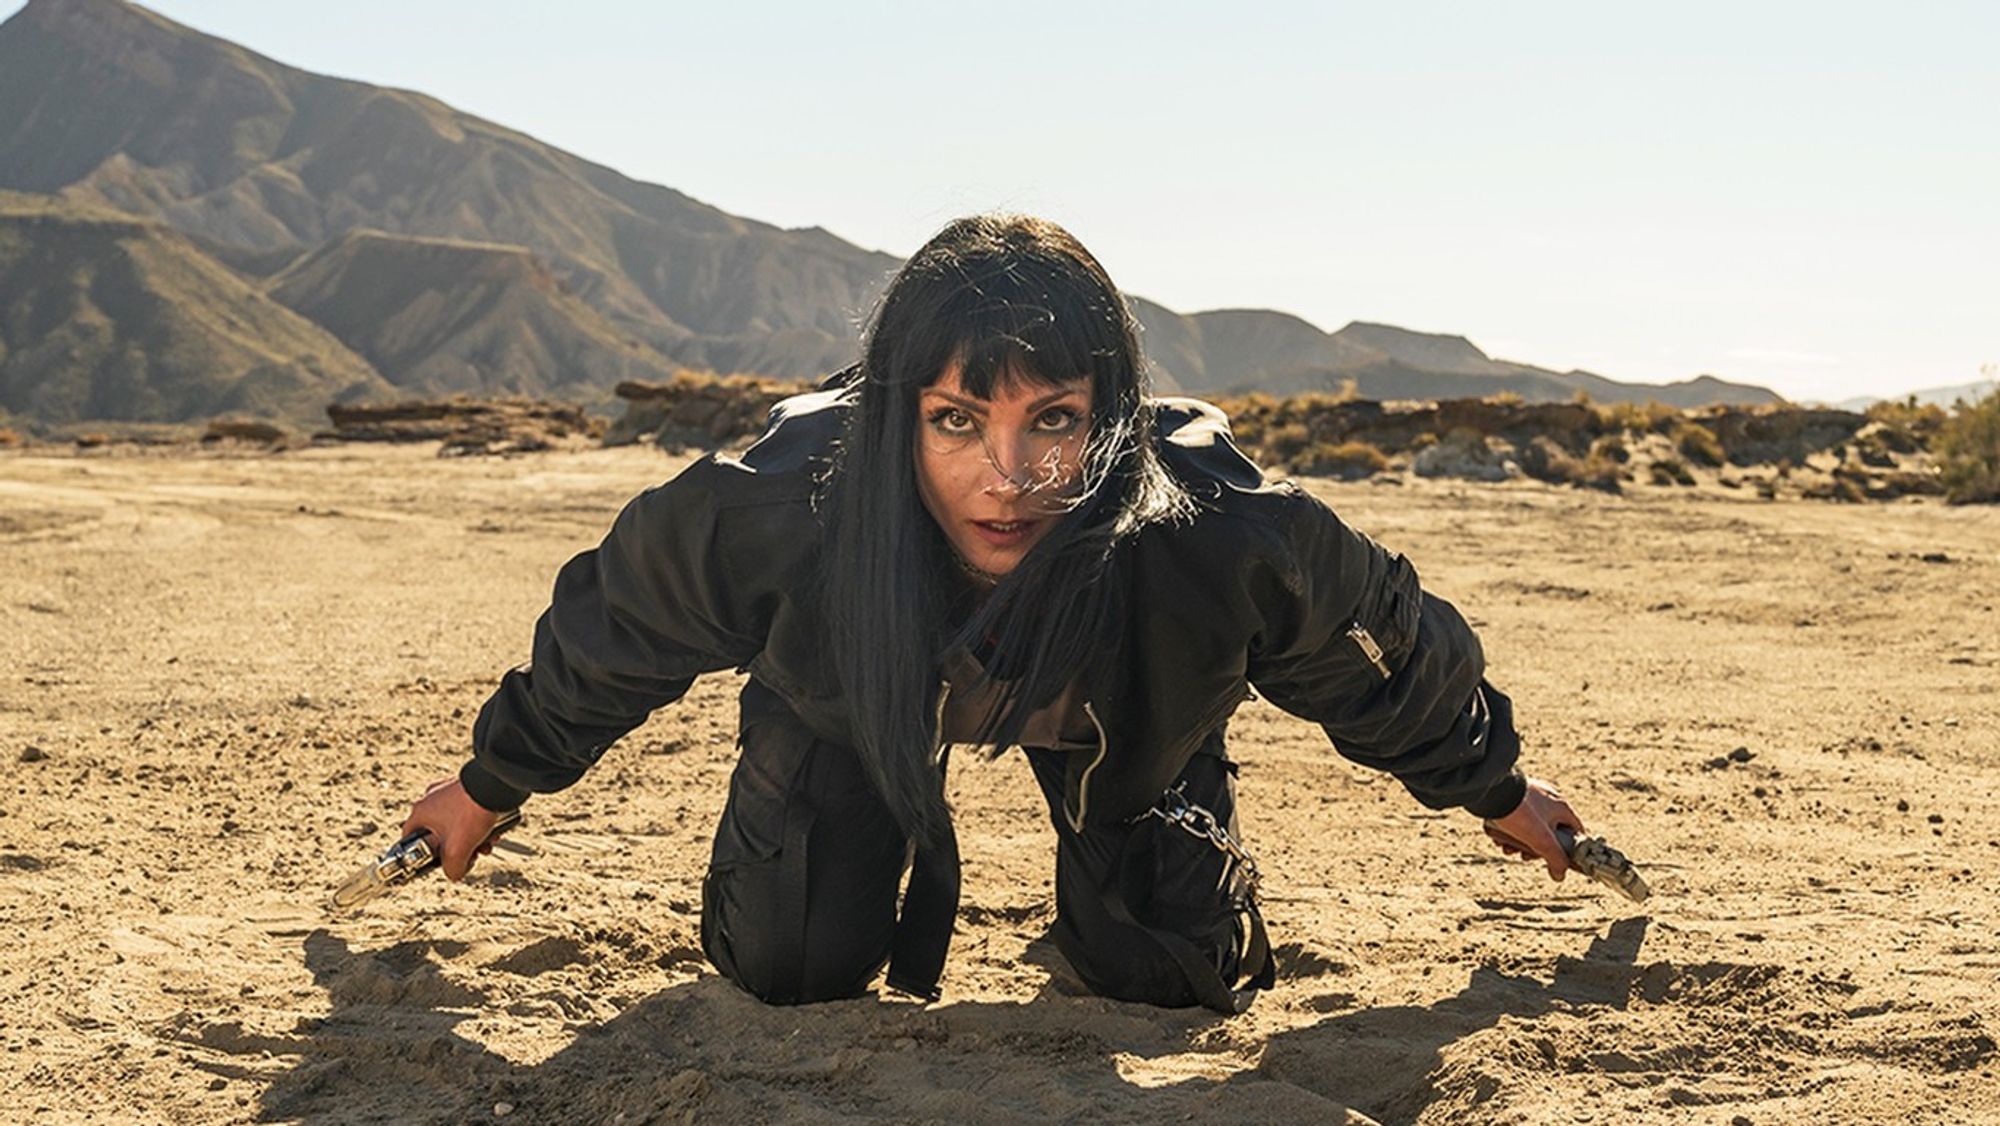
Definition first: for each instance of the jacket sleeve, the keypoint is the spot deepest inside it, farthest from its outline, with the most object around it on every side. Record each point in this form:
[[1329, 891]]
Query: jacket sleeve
[[631, 623], [1393, 674]]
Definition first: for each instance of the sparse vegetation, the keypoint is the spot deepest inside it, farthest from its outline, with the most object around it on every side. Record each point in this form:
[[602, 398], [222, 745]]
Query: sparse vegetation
[[1909, 424], [1968, 452], [1348, 461], [1671, 471], [1697, 443], [1638, 417], [1545, 460], [1611, 448]]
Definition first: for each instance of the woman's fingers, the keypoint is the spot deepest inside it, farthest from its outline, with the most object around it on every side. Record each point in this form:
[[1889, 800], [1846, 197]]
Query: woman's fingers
[[458, 826], [1531, 828]]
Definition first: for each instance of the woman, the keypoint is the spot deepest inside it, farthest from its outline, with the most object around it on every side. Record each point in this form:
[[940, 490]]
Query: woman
[[986, 533]]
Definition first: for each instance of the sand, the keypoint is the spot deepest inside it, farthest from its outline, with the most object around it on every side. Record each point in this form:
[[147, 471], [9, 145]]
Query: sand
[[223, 677]]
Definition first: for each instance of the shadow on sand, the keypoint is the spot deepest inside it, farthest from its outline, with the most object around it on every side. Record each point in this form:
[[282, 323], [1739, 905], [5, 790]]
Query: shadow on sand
[[392, 1051]]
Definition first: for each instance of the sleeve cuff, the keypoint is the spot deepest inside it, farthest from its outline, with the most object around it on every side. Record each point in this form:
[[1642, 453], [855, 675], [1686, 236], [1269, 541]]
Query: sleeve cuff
[[1500, 799], [488, 791]]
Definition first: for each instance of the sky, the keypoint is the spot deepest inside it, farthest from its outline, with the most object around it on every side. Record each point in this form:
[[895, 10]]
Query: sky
[[1801, 195]]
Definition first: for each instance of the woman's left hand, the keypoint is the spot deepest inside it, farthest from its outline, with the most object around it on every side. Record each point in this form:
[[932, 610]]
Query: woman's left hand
[[1531, 829]]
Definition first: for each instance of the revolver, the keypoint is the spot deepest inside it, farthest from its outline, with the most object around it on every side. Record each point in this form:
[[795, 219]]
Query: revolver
[[1598, 860], [402, 862]]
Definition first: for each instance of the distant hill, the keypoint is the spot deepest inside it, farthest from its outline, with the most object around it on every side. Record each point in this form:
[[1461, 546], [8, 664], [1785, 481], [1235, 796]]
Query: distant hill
[[441, 317], [1938, 396], [105, 316], [268, 170], [1232, 351]]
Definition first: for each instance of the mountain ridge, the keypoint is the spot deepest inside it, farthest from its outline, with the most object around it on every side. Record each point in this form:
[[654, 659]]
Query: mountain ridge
[[261, 165]]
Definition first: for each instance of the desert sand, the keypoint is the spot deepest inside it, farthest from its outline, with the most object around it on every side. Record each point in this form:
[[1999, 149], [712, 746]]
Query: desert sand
[[224, 676]]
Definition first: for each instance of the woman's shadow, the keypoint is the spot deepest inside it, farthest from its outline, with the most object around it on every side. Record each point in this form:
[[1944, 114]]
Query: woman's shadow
[[392, 1050]]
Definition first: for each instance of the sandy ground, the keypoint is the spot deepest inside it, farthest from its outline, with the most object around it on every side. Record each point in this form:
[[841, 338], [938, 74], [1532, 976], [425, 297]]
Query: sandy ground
[[222, 679]]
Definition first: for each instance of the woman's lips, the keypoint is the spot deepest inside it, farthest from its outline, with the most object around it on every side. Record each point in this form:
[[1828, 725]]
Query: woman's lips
[[1004, 533]]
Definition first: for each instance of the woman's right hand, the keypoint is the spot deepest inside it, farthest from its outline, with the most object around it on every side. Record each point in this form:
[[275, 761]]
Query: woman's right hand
[[458, 825]]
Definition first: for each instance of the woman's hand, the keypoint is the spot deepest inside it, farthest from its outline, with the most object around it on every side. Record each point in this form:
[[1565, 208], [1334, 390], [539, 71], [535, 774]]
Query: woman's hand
[[458, 825], [1531, 829]]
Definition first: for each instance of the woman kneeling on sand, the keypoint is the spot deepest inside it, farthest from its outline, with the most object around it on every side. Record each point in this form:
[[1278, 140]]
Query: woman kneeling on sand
[[986, 533]]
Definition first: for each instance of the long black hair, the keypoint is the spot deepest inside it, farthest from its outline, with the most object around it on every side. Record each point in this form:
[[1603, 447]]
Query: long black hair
[[1010, 299]]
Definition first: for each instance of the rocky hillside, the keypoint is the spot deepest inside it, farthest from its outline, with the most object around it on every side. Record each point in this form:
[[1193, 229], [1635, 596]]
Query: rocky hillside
[[106, 316], [440, 317], [108, 102]]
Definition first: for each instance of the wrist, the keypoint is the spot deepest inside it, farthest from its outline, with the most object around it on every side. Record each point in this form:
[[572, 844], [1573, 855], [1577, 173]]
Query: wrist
[[1500, 799], [487, 791]]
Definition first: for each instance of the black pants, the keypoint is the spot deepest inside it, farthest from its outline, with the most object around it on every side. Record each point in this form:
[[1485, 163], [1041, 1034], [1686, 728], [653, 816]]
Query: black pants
[[800, 899]]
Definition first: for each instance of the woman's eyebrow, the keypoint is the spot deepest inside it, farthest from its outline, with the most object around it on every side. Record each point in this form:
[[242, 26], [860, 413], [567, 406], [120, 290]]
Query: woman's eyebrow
[[978, 406]]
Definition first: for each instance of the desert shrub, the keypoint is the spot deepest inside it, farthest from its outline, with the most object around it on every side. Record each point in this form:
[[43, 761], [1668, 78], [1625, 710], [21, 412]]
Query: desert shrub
[[1505, 399], [10, 438], [1968, 452], [1545, 460], [1348, 461], [1637, 417], [1611, 448], [1697, 443], [1284, 442], [1908, 416], [1671, 471], [1423, 441]]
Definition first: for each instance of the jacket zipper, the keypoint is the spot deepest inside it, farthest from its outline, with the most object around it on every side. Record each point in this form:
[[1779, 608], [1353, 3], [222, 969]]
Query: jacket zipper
[[1083, 784], [1369, 649]]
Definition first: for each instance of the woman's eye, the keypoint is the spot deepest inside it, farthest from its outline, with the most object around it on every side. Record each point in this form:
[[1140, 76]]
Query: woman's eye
[[1056, 420], [951, 420]]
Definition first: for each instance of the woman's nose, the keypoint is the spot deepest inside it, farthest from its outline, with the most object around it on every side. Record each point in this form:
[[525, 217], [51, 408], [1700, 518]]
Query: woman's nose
[[1011, 463]]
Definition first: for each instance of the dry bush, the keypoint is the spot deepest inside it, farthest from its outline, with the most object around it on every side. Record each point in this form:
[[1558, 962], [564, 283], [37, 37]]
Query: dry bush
[[1286, 442], [1638, 417], [1348, 461], [1610, 448], [1968, 452], [1671, 471], [1505, 399], [1697, 443], [1546, 460], [10, 438], [1908, 416]]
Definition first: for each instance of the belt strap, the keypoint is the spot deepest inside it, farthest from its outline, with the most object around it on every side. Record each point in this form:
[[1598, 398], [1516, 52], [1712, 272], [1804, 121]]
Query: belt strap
[[1256, 965]]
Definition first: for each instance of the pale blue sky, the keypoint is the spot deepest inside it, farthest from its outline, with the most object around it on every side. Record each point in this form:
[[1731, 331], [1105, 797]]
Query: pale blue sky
[[1795, 194]]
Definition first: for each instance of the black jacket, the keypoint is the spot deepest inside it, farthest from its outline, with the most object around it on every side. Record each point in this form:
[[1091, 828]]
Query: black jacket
[[1265, 587]]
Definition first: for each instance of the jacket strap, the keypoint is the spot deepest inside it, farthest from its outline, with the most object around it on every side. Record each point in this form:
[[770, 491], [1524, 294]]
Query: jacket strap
[[930, 909]]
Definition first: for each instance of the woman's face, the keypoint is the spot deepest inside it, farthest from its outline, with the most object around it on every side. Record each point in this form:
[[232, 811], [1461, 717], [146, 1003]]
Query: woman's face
[[997, 473]]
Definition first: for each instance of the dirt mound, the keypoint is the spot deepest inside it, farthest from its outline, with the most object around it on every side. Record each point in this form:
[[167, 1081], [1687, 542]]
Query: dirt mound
[[465, 426], [698, 411], [1773, 450]]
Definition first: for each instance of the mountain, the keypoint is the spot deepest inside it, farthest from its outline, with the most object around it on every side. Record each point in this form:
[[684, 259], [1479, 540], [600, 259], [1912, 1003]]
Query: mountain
[[438, 317], [107, 102], [107, 316], [1237, 350], [335, 190]]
